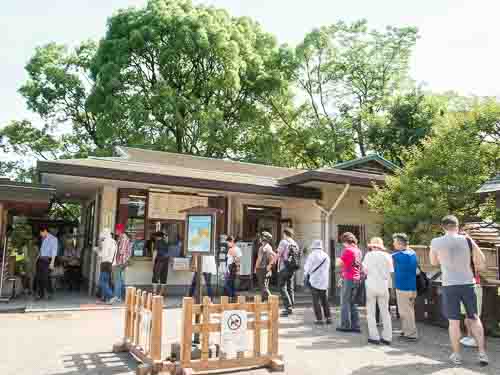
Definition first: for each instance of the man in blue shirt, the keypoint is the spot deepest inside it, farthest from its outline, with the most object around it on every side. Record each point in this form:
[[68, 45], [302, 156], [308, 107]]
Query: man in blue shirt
[[45, 263], [405, 272]]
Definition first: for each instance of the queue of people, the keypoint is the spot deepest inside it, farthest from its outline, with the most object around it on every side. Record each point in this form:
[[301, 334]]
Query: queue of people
[[378, 272]]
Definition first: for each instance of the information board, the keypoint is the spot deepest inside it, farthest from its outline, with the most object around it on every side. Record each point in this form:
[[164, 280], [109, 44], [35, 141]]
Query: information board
[[200, 232]]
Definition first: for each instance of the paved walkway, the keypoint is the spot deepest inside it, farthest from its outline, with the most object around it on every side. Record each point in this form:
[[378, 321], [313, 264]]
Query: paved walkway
[[79, 343]]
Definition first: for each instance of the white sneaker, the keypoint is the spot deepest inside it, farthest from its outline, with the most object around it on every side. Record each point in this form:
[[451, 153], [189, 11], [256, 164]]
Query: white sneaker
[[456, 359], [112, 301], [468, 341], [483, 359]]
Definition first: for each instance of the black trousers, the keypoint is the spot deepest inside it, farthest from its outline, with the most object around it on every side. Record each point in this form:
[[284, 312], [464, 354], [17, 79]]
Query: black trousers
[[287, 288], [72, 275], [320, 303], [160, 270], [43, 277]]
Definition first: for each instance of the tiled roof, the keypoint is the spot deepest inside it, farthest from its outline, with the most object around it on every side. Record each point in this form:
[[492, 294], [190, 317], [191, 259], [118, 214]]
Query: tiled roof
[[205, 164], [166, 168], [491, 186]]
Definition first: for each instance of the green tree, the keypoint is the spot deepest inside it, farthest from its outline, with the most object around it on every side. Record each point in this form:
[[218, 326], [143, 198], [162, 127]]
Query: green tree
[[408, 120], [348, 74], [436, 178], [189, 79]]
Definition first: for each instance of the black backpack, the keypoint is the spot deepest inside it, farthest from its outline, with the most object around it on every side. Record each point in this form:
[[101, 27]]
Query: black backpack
[[294, 255], [423, 282]]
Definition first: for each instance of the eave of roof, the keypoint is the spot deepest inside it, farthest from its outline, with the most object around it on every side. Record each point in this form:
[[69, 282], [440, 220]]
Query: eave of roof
[[334, 176], [490, 186], [373, 157], [103, 169], [26, 193]]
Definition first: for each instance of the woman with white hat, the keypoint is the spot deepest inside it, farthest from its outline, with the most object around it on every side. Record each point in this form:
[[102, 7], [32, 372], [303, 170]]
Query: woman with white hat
[[377, 267], [317, 274]]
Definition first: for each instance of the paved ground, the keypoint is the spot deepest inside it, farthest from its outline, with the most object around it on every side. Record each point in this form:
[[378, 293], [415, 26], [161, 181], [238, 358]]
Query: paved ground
[[79, 343]]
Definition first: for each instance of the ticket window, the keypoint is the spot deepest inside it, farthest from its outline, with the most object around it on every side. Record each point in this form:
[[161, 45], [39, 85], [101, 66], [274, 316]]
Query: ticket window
[[174, 231], [132, 215]]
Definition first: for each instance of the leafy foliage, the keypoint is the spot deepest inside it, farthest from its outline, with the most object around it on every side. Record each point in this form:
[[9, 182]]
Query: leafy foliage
[[436, 179], [349, 73], [187, 79], [408, 121]]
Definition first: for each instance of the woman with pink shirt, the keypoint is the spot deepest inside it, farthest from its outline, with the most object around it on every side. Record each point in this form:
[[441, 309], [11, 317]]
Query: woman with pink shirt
[[350, 261]]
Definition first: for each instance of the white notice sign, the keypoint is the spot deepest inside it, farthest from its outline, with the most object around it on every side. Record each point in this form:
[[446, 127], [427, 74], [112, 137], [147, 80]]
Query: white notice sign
[[234, 331]]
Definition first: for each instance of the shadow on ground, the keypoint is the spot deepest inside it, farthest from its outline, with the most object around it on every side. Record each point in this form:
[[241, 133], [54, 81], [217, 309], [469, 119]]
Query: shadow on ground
[[433, 345], [98, 364]]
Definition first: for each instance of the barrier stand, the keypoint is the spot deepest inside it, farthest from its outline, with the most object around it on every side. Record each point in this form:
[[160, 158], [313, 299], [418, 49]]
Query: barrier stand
[[243, 360], [143, 331]]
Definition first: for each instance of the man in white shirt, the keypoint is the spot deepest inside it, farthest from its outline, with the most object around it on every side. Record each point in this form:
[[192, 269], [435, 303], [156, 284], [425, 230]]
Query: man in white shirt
[[317, 269], [107, 254], [378, 267]]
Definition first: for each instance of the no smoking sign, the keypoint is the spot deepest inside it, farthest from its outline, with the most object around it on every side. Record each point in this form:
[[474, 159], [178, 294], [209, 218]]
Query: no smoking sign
[[234, 331]]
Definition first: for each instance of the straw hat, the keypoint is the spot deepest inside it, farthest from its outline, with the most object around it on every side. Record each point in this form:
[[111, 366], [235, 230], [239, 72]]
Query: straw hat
[[377, 242]]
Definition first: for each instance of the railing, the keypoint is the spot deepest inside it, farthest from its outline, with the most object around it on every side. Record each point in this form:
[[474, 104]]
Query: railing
[[491, 254], [143, 329], [207, 319]]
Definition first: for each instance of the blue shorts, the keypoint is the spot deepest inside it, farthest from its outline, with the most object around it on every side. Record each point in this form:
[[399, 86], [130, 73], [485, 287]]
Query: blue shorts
[[454, 295]]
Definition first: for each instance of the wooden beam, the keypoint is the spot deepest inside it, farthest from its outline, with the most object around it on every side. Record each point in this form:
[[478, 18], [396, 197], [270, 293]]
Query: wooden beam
[[339, 200]]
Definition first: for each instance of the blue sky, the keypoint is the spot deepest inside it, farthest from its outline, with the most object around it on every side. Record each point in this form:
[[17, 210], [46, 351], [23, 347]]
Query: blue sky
[[456, 51]]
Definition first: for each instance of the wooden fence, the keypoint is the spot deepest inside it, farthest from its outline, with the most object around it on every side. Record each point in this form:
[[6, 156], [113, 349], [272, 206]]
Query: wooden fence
[[206, 318], [143, 327], [492, 259]]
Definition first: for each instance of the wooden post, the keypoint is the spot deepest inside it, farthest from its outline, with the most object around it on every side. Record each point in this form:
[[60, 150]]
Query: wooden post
[[131, 308], [187, 324], [157, 326], [256, 332], [277, 363], [205, 329], [224, 301], [241, 306], [137, 308], [127, 315], [272, 335]]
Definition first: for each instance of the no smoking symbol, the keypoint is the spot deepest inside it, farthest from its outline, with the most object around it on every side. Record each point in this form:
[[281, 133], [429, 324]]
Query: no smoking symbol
[[234, 322]]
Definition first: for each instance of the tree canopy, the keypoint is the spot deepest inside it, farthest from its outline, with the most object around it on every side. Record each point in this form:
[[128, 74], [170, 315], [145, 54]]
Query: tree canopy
[[443, 175]]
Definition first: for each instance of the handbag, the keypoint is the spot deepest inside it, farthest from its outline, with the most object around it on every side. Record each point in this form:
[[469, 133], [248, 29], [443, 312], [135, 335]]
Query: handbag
[[423, 282], [307, 282]]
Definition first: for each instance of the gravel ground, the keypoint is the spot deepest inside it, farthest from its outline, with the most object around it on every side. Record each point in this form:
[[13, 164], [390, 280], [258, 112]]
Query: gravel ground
[[74, 343]]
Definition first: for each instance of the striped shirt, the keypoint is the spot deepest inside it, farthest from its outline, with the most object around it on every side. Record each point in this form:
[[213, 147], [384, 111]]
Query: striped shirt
[[124, 250]]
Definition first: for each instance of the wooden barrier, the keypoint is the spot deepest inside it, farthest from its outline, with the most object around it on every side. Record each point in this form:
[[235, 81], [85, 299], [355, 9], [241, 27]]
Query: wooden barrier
[[142, 335], [211, 322], [143, 329]]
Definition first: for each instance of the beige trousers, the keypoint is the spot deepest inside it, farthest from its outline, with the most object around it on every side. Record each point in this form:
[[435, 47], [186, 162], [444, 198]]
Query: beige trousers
[[406, 306]]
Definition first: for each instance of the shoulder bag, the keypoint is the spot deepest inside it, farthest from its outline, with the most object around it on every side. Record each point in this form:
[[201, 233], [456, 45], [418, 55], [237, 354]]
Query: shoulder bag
[[307, 282]]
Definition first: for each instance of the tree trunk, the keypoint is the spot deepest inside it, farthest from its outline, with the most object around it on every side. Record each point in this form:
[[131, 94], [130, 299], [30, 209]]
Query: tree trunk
[[358, 127]]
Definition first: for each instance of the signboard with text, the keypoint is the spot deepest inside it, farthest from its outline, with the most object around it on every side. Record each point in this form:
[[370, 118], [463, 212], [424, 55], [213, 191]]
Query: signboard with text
[[234, 331]]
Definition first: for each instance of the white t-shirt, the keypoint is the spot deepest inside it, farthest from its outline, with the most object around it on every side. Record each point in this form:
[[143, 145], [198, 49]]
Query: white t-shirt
[[208, 264], [378, 267], [230, 258]]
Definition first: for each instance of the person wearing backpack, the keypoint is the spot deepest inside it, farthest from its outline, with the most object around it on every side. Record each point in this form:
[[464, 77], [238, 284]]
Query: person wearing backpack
[[288, 264], [459, 258], [316, 277]]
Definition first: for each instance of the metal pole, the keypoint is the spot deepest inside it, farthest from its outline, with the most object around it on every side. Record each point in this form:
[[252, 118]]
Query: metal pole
[[197, 293], [3, 264]]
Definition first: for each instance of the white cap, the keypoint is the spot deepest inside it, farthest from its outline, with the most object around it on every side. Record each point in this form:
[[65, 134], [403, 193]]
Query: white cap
[[317, 245]]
